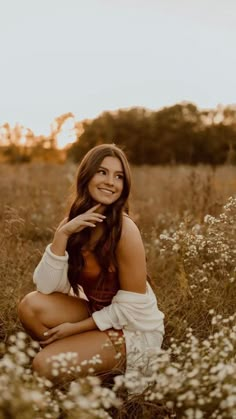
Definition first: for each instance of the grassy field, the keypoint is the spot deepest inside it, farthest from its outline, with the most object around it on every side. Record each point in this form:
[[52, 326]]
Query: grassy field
[[188, 224]]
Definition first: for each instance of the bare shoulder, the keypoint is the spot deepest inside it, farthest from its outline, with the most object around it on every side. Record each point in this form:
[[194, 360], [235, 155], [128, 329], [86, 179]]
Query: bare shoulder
[[129, 228], [130, 234], [131, 258]]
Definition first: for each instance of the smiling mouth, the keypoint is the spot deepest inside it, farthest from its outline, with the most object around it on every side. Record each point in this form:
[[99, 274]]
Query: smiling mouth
[[107, 191]]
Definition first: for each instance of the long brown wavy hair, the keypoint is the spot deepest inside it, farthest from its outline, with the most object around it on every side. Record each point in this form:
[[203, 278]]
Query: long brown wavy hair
[[105, 247]]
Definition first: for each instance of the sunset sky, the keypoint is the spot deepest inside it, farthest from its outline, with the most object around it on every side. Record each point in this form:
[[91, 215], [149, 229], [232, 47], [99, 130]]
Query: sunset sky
[[87, 56]]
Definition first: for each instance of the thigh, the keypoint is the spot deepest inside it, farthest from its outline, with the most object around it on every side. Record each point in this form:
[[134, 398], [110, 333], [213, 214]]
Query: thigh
[[53, 309], [60, 308], [85, 346]]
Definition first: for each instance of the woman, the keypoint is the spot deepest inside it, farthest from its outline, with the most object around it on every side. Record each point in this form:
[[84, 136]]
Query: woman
[[97, 252]]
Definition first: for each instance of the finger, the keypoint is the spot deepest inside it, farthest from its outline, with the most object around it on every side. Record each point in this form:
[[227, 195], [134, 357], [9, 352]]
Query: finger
[[94, 217], [88, 224], [50, 332], [64, 221], [91, 216], [97, 214], [50, 340], [93, 208]]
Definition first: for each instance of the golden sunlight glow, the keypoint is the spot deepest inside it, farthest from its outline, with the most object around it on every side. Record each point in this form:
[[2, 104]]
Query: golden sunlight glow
[[66, 134], [23, 137]]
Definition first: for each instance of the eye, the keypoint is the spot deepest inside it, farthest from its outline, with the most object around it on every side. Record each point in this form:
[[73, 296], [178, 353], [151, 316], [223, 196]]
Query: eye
[[102, 171], [120, 176]]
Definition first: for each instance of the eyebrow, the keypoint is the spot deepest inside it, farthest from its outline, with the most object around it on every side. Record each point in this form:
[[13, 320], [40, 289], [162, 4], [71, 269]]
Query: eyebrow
[[105, 168]]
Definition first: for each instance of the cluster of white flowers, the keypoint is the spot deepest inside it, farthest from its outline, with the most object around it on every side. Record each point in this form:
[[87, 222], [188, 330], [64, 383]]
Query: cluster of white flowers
[[198, 378], [207, 252], [24, 394], [89, 396]]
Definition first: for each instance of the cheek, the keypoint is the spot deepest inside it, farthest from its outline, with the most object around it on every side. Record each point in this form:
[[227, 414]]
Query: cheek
[[120, 187], [91, 185]]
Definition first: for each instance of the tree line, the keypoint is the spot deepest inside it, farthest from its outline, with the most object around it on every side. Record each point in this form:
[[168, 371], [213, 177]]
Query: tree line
[[178, 134]]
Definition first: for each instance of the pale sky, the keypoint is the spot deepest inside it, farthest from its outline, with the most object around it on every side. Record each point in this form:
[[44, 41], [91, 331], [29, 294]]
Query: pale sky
[[87, 56]]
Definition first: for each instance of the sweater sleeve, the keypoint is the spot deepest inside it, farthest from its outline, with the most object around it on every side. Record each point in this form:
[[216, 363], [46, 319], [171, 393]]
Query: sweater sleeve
[[107, 318], [131, 311], [51, 273]]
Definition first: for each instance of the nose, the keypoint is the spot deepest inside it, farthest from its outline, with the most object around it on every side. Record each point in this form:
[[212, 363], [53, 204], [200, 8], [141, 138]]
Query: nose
[[110, 180]]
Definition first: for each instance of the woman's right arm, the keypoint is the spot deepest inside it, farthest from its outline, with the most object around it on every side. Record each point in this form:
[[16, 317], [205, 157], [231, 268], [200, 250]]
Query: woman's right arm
[[51, 273]]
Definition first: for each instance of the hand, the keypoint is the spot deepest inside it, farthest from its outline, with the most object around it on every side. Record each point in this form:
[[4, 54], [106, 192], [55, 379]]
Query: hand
[[87, 219], [59, 332]]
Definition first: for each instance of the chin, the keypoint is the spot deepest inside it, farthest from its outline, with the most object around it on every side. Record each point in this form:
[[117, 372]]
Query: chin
[[105, 201]]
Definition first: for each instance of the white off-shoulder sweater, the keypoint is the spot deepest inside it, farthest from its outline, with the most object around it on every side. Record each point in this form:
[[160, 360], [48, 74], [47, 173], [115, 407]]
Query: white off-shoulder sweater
[[136, 314]]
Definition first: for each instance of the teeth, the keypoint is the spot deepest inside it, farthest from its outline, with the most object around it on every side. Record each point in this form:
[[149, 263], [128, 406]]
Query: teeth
[[106, 191]]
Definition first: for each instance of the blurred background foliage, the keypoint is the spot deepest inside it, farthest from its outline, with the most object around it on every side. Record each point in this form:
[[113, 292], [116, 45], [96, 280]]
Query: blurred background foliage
[[179, 134]]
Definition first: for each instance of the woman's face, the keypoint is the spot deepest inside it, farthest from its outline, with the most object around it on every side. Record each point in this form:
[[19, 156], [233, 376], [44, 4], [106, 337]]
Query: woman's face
[[106, 185]]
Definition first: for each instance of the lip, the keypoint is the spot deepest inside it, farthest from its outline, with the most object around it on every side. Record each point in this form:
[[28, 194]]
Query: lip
[[105, 190]]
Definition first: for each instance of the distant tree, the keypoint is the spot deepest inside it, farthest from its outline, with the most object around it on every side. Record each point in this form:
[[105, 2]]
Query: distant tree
[[126, 128]]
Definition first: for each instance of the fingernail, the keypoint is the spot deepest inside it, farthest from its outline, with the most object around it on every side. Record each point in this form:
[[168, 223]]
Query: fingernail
[[45, 334]]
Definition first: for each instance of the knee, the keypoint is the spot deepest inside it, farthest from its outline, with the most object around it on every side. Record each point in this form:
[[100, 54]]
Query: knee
[[29, 305], [41, 365]]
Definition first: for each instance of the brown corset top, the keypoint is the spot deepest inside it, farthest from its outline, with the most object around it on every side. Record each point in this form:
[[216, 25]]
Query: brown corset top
[[99, 295]]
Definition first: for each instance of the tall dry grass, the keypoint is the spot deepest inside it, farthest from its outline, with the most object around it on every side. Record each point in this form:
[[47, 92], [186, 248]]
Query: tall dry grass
[[188, 227]]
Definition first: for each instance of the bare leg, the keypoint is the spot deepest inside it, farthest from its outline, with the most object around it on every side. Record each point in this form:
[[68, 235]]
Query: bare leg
[[85, 345], [39, 312]]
